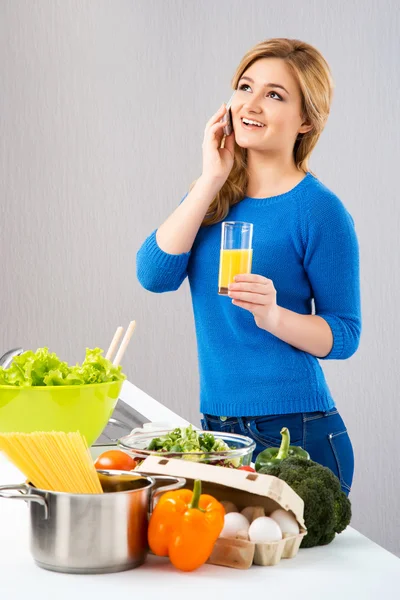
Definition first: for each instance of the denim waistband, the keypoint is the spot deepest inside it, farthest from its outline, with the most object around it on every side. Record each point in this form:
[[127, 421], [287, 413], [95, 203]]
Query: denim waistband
[[307, 416]]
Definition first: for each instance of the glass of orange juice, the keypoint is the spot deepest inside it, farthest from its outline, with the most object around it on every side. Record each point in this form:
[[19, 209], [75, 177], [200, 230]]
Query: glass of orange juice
[[236, 253]]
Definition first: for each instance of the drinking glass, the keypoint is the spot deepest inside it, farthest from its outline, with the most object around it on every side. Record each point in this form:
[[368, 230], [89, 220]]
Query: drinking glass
[[236, 253]]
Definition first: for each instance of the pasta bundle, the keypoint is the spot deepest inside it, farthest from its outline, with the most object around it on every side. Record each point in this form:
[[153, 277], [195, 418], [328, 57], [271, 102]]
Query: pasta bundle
[[54, 461]]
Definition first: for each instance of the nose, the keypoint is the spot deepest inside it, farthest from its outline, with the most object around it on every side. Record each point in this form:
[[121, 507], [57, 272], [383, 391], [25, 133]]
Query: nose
[[252, 104]]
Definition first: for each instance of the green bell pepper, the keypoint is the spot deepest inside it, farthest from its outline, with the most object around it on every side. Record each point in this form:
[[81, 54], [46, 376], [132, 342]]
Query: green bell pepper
[[273, 456]]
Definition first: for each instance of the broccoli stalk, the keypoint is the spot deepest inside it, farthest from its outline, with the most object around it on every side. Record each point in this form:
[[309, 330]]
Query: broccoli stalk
[[327, 510]]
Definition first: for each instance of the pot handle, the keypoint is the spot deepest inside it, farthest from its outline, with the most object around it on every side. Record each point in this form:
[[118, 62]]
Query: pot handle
[[175, 483], [22, 494]]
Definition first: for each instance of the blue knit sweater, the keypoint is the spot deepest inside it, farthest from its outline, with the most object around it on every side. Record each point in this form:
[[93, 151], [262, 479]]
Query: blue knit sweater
[[305, 241]]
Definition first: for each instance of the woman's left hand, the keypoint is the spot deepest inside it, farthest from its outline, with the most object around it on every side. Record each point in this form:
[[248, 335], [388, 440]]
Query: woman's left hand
[[256, 294]]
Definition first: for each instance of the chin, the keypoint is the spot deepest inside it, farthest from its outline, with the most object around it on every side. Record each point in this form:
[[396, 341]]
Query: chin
[[248, 144], [269, 143]]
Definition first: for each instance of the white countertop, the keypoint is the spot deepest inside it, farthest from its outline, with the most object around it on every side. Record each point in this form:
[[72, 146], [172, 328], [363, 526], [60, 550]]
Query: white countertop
[[351, 567]]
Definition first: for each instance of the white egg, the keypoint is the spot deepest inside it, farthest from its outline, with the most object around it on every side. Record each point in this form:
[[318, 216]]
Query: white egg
[[264, 529], [286, 521], [233, 523]]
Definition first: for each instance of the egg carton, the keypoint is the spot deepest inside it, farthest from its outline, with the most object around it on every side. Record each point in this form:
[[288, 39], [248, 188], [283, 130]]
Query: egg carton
[[243, 489], [242, 554]]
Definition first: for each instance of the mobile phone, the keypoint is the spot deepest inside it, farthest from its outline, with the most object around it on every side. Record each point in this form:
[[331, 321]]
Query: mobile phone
[[227, 118]]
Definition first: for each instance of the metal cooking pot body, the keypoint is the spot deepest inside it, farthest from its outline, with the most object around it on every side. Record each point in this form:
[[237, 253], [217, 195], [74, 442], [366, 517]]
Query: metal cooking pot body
[[93, 533]]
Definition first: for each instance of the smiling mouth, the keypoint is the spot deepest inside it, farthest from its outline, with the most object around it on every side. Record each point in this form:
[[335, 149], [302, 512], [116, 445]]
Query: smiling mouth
[[251, 125]]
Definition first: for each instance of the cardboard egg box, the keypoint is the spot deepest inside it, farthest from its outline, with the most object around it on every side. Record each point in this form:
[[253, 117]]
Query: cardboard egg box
[[243, 488]]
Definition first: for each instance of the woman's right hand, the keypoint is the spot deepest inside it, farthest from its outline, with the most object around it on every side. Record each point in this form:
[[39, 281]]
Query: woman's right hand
[[217, 162]]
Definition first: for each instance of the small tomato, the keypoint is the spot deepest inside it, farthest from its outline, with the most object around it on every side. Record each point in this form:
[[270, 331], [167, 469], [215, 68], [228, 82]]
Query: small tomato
[[115, 460]]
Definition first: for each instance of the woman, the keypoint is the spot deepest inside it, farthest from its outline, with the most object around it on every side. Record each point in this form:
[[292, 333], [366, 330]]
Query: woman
[[258, 352]]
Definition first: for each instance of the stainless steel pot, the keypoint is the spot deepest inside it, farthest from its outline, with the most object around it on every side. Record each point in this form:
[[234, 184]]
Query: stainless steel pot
[[93, 533]]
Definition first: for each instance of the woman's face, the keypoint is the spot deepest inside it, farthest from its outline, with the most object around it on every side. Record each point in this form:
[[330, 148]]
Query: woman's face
[[269, 94]]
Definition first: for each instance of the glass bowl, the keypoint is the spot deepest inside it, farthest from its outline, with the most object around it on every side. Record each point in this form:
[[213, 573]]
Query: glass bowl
[[239, 454]]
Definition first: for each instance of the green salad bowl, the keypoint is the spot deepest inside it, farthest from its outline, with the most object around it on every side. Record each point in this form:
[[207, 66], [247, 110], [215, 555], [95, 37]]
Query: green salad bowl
[[84, 408]]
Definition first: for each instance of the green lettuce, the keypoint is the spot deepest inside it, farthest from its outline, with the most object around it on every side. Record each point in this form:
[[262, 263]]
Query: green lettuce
[[187, 439], [42, 368]]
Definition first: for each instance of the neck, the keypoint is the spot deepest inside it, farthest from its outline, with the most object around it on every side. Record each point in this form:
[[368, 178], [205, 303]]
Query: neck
[[271, 174]]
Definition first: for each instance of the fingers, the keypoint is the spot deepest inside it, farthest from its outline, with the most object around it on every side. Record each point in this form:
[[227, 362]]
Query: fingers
[[252, 278], [245, 305], [216, 127], [230, 143], [217, 116], [214, 133], [214, 130], [258, 288], [250, 297]]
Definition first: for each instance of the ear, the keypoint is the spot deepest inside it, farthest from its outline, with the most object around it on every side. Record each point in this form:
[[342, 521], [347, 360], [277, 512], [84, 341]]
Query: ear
[[305, 127]]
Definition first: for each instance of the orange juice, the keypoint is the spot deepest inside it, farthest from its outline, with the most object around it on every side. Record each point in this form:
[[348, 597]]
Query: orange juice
[[231, 263]]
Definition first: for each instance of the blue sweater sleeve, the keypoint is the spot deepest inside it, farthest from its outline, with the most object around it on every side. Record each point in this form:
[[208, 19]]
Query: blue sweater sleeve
[[158, 271], [332, 264]]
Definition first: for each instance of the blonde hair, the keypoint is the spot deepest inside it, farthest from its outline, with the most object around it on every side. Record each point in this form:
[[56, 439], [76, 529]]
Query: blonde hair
[[316, 85]]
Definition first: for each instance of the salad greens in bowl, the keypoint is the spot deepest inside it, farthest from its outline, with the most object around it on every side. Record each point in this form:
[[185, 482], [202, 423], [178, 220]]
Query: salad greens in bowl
[[31, 369], [39, 392], [215, 448]]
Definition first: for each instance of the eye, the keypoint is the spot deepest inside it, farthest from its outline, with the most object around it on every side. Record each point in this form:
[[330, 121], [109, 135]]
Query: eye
[[278, 96]]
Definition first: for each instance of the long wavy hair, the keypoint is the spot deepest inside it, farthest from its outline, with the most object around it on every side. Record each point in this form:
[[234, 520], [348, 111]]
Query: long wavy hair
[[316, 85]]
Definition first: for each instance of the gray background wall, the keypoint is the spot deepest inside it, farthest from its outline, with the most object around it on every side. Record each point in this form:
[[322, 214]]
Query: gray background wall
[[102, 109]]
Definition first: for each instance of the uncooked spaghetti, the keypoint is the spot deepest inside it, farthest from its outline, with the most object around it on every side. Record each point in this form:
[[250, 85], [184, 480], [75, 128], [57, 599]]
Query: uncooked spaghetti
[[54, 461]]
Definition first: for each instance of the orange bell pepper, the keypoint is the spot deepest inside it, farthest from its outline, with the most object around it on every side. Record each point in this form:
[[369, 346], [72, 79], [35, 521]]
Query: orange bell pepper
[[185, 526]]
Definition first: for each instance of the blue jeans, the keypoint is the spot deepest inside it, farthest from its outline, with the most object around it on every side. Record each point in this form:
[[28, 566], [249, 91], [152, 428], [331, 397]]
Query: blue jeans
[[322, 434]]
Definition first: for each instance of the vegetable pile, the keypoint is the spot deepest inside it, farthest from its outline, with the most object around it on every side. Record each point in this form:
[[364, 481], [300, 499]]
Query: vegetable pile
[[327, 510], [187, 439], [44, 368]]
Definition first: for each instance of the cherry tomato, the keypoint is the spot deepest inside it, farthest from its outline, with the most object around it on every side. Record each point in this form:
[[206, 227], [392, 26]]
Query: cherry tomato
[[247, 468], [115, 460]]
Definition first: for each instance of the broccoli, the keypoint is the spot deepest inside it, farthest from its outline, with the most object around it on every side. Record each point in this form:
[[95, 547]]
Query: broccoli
[[327, 510]]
